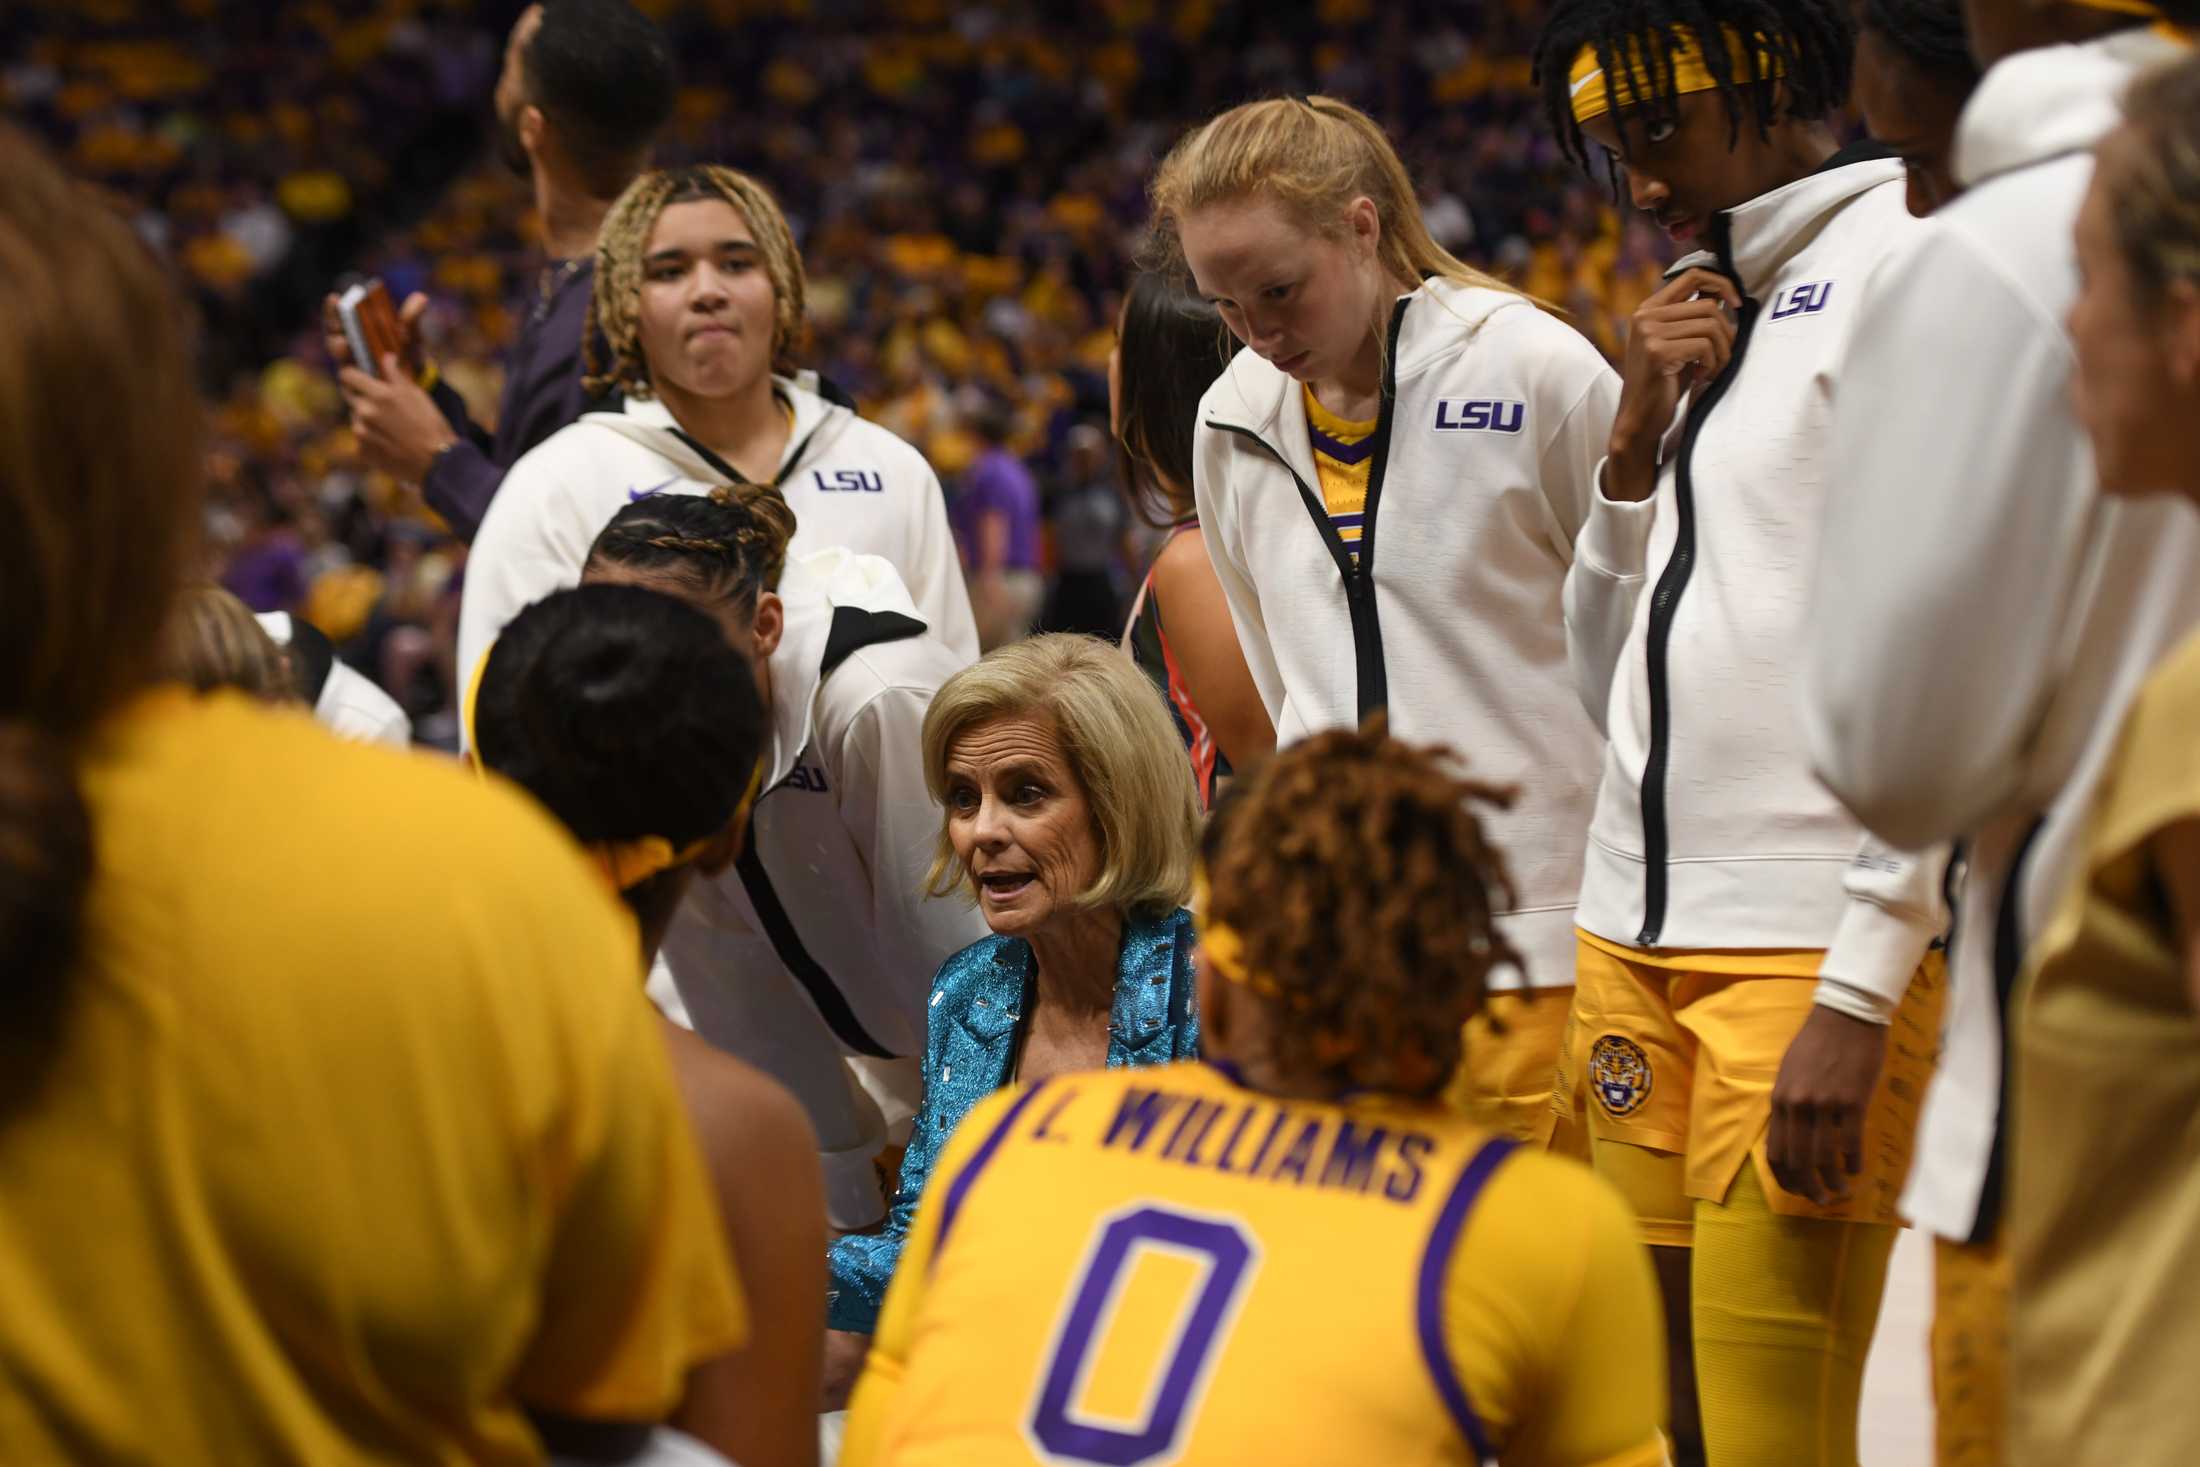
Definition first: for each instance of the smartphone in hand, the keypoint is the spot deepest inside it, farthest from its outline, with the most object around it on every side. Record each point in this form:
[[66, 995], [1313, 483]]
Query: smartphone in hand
[[370, 324]]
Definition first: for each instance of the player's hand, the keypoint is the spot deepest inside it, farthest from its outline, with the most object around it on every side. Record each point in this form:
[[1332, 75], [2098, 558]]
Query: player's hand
[[845, 1353], [338, 344], [400, 428], [1680, 337], [1816, 1138]]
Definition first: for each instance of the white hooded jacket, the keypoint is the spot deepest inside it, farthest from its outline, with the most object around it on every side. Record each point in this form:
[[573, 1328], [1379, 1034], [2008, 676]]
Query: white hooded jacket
[[826, 908], [849, 482], [1685, 614], [1981, 614], [348, 701], [1495, 414]]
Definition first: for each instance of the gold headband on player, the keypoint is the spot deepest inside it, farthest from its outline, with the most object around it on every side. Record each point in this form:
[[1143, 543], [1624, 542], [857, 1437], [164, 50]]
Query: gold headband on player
[[1592, 91]]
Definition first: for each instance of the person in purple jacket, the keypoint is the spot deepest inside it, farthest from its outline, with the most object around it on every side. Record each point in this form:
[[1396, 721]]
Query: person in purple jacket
[[585, 87], [996, 520]]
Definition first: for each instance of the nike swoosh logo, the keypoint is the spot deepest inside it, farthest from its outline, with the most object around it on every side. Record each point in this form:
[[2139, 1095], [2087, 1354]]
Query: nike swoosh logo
[[1592, 76], [634, 494]]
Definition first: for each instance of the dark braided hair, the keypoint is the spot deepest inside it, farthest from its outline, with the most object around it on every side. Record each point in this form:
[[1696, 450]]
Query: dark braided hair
[[1929, 34], [727, 546], [625, 712], [1355, 871], [1807, 44]]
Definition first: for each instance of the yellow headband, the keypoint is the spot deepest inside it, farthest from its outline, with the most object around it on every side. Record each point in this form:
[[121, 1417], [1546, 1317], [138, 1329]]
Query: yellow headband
[[629, 863], [2139, 8], [1221, 948], [1592, 91], [466, 705], [625, 863]]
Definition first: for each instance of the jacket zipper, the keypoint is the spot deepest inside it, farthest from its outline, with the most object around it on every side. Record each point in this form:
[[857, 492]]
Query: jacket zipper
[[1664, 603], [1371, 673]]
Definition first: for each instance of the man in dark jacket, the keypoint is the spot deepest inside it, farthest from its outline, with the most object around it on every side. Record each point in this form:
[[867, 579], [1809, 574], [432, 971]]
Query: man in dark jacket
[[585, 87]]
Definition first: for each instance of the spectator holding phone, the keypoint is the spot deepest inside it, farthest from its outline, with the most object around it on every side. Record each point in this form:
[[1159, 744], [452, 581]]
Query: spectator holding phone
[[585, 87]]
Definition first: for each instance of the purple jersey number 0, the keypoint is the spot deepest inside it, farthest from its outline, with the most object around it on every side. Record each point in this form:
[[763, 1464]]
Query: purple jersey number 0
[[1227, 1251]]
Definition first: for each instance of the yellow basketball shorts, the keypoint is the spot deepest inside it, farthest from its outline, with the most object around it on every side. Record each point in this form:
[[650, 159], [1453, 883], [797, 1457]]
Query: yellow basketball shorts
[[1677, 1052], [1508, 1062]]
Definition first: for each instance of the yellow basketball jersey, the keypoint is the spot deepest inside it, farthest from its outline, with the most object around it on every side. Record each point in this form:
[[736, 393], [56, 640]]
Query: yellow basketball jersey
[[1163, 1266]]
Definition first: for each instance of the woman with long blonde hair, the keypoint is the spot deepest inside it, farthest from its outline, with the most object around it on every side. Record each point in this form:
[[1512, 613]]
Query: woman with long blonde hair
[[1389, 479]]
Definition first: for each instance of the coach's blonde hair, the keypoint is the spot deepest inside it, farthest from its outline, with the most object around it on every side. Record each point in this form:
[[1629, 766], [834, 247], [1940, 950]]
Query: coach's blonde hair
[[614, 312], [1313, 156], [1122, 746]]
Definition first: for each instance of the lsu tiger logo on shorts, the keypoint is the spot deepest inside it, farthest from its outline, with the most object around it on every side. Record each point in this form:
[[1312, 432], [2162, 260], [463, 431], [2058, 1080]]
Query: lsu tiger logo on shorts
[[1619, 1073]]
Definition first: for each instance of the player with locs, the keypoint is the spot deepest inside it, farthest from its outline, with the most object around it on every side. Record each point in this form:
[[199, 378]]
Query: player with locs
[[1734, 919], [699, 306]]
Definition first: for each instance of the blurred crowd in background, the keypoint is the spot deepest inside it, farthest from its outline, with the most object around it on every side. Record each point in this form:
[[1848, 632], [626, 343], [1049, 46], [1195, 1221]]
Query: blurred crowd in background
[[965, 179]]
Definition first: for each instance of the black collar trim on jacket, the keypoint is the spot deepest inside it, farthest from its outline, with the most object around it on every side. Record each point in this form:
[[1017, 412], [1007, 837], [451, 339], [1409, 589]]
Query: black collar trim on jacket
[[312, 659], [853, 629]]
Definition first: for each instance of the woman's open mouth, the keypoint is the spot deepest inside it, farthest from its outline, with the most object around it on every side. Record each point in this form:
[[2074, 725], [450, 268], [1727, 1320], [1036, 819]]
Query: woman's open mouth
[[1002, 886]]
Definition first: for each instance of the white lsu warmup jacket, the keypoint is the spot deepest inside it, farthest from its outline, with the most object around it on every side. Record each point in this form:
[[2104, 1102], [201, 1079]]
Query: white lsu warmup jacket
[[819, 943], [348, 702], [1982, 614], [1494, 416], [849, 482], [1686, 618]]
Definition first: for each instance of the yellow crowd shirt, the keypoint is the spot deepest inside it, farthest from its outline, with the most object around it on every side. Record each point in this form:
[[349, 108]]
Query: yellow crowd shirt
[[359, 1134], [2104, 1157], [1163, 1265], [1344, 453]]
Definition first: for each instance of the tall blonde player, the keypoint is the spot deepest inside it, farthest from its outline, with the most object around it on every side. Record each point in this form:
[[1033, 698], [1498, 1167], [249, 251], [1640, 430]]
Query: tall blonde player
[[1390, 478], [1293, 1252]]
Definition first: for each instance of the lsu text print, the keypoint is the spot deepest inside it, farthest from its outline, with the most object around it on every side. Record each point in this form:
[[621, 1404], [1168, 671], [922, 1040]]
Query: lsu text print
[[1480, 414], [1807, 299], [850, 481]]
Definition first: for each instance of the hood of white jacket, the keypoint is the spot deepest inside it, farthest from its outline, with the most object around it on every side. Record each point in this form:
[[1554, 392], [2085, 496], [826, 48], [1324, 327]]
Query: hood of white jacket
[[647, 421], [811, 588], [2043, 103]]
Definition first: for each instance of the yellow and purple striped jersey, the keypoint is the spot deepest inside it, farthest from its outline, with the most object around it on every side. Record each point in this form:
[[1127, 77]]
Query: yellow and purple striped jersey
[[1164, 1266], [1344, 453]]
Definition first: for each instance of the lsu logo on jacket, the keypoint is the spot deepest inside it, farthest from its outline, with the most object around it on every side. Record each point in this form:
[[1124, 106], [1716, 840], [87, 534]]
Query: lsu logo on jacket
[[1807, 299], [1480, 415], [850, 481]]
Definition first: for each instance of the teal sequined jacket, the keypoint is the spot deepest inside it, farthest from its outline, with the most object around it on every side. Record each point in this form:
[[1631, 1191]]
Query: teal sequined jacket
[[977, 1001]]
